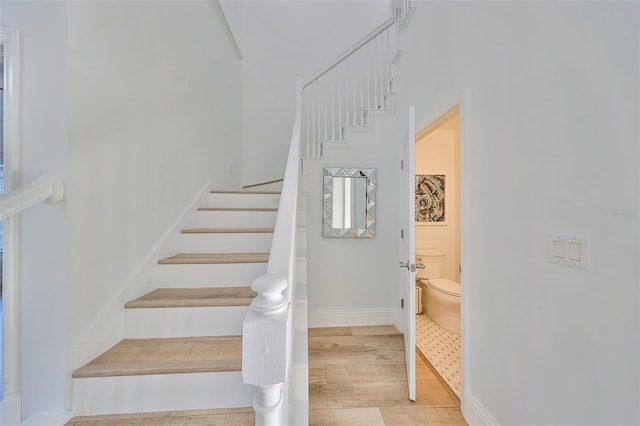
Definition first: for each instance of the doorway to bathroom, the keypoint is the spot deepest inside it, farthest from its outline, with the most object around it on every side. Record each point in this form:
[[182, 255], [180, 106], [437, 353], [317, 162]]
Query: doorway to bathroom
[[438, 242]]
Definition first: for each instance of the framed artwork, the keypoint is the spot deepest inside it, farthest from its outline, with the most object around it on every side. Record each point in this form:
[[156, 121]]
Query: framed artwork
[[430, 200]]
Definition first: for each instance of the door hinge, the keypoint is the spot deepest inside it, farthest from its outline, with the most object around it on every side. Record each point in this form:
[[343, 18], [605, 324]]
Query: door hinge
[[402, 303], [402, 233], [401, 164]]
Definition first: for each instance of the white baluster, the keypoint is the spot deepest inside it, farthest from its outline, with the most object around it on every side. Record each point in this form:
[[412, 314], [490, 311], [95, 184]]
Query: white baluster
[[267, 404], [326, 104], [333, 110], [362, 79]]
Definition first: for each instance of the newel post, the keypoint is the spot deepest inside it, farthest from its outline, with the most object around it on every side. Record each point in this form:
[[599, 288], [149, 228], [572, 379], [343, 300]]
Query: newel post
[[265, 349]]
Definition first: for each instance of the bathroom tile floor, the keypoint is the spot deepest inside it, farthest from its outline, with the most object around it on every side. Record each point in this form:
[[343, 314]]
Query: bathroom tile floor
[[441, 348], [357, 376]]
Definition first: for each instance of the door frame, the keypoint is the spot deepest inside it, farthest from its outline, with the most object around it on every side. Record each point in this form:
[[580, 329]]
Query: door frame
[[459, 104], [10, 407]]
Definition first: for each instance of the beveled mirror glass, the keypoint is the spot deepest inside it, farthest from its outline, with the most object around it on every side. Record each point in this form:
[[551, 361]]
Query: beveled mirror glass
[[349, 203]]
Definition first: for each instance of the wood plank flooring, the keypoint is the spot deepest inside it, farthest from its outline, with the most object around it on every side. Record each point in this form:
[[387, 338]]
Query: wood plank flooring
[[357, 376]]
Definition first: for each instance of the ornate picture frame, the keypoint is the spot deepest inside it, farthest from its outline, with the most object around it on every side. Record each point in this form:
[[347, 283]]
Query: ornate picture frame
[[430, 199]]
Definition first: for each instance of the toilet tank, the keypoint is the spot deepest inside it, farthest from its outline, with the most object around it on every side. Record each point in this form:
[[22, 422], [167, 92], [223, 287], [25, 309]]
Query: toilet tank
[[432, 259]]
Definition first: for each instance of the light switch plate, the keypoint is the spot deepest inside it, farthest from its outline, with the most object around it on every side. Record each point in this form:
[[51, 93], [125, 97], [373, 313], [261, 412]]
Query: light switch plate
[[575, 250], [558, 248]]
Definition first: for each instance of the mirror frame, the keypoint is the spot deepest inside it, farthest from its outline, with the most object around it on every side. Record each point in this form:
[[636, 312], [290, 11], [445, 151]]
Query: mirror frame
[[327, 230]]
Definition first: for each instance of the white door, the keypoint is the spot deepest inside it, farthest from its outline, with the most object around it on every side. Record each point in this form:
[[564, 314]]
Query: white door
[[408, 249]]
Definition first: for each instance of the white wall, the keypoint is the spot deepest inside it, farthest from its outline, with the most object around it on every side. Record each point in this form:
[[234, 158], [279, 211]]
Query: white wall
[[354, 281], [550, 145], [43, 133], [436, 154], [137, 105], [282, 39]]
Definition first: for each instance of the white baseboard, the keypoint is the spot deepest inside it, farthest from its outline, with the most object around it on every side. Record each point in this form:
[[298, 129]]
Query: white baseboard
[[351, 317], [475, 413], [10, 410], [46, 420]]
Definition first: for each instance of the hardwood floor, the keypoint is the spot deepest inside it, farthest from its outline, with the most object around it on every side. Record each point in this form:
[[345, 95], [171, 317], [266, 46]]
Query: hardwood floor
[[357, 376]]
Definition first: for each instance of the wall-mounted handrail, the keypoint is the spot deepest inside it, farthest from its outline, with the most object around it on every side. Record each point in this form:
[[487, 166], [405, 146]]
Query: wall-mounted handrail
[[267, 333], [263, 183], [47, 188]]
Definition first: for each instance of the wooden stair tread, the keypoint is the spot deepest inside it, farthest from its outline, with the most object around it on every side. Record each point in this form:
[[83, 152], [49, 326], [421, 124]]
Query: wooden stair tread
[[133, 357], [228, 231], [218, 417], [237, 209], [194, 297], [247, 192], [215, 258]]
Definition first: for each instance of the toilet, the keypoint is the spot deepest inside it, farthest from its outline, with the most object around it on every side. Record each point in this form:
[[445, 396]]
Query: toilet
[[441, 297]]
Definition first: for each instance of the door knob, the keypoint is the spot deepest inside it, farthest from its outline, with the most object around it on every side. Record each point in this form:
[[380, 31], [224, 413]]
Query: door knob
[[405, 264], [419, 265]]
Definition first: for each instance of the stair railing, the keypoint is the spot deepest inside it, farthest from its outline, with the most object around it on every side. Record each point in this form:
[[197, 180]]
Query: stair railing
[[359, 80], [267, 333], [341, 93]]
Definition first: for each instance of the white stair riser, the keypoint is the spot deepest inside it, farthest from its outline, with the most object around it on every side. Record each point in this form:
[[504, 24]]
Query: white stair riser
[[160, 392], [222, 275], [225, 243], [244, 200], [184, 321], [235, 219]]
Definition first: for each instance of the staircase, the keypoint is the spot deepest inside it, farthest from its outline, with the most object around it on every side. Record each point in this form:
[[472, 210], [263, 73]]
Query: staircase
[[181, 358]]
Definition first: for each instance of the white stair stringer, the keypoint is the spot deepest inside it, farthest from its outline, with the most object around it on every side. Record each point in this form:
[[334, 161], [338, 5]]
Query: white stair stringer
[[160, 392], [184, 321], [351, 131], [359, 139], [229, 226]]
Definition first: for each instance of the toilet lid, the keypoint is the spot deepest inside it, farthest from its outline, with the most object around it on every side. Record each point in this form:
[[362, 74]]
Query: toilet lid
[[445, 286]]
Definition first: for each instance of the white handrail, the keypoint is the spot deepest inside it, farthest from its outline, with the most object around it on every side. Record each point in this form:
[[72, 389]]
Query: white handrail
[[347, 89], [344, 55], [267, 333], [47, 188]]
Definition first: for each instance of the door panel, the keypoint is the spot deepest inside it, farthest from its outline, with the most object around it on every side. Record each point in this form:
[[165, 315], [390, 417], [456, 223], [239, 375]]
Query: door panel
[[408, 249]]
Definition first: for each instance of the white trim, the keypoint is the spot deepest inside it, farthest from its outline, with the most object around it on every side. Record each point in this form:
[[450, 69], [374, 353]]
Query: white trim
[[351, 317], [477, 414], [46, 419], [464, 235], [10, 409], [108, 327], [227, 28], [474, 412]]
